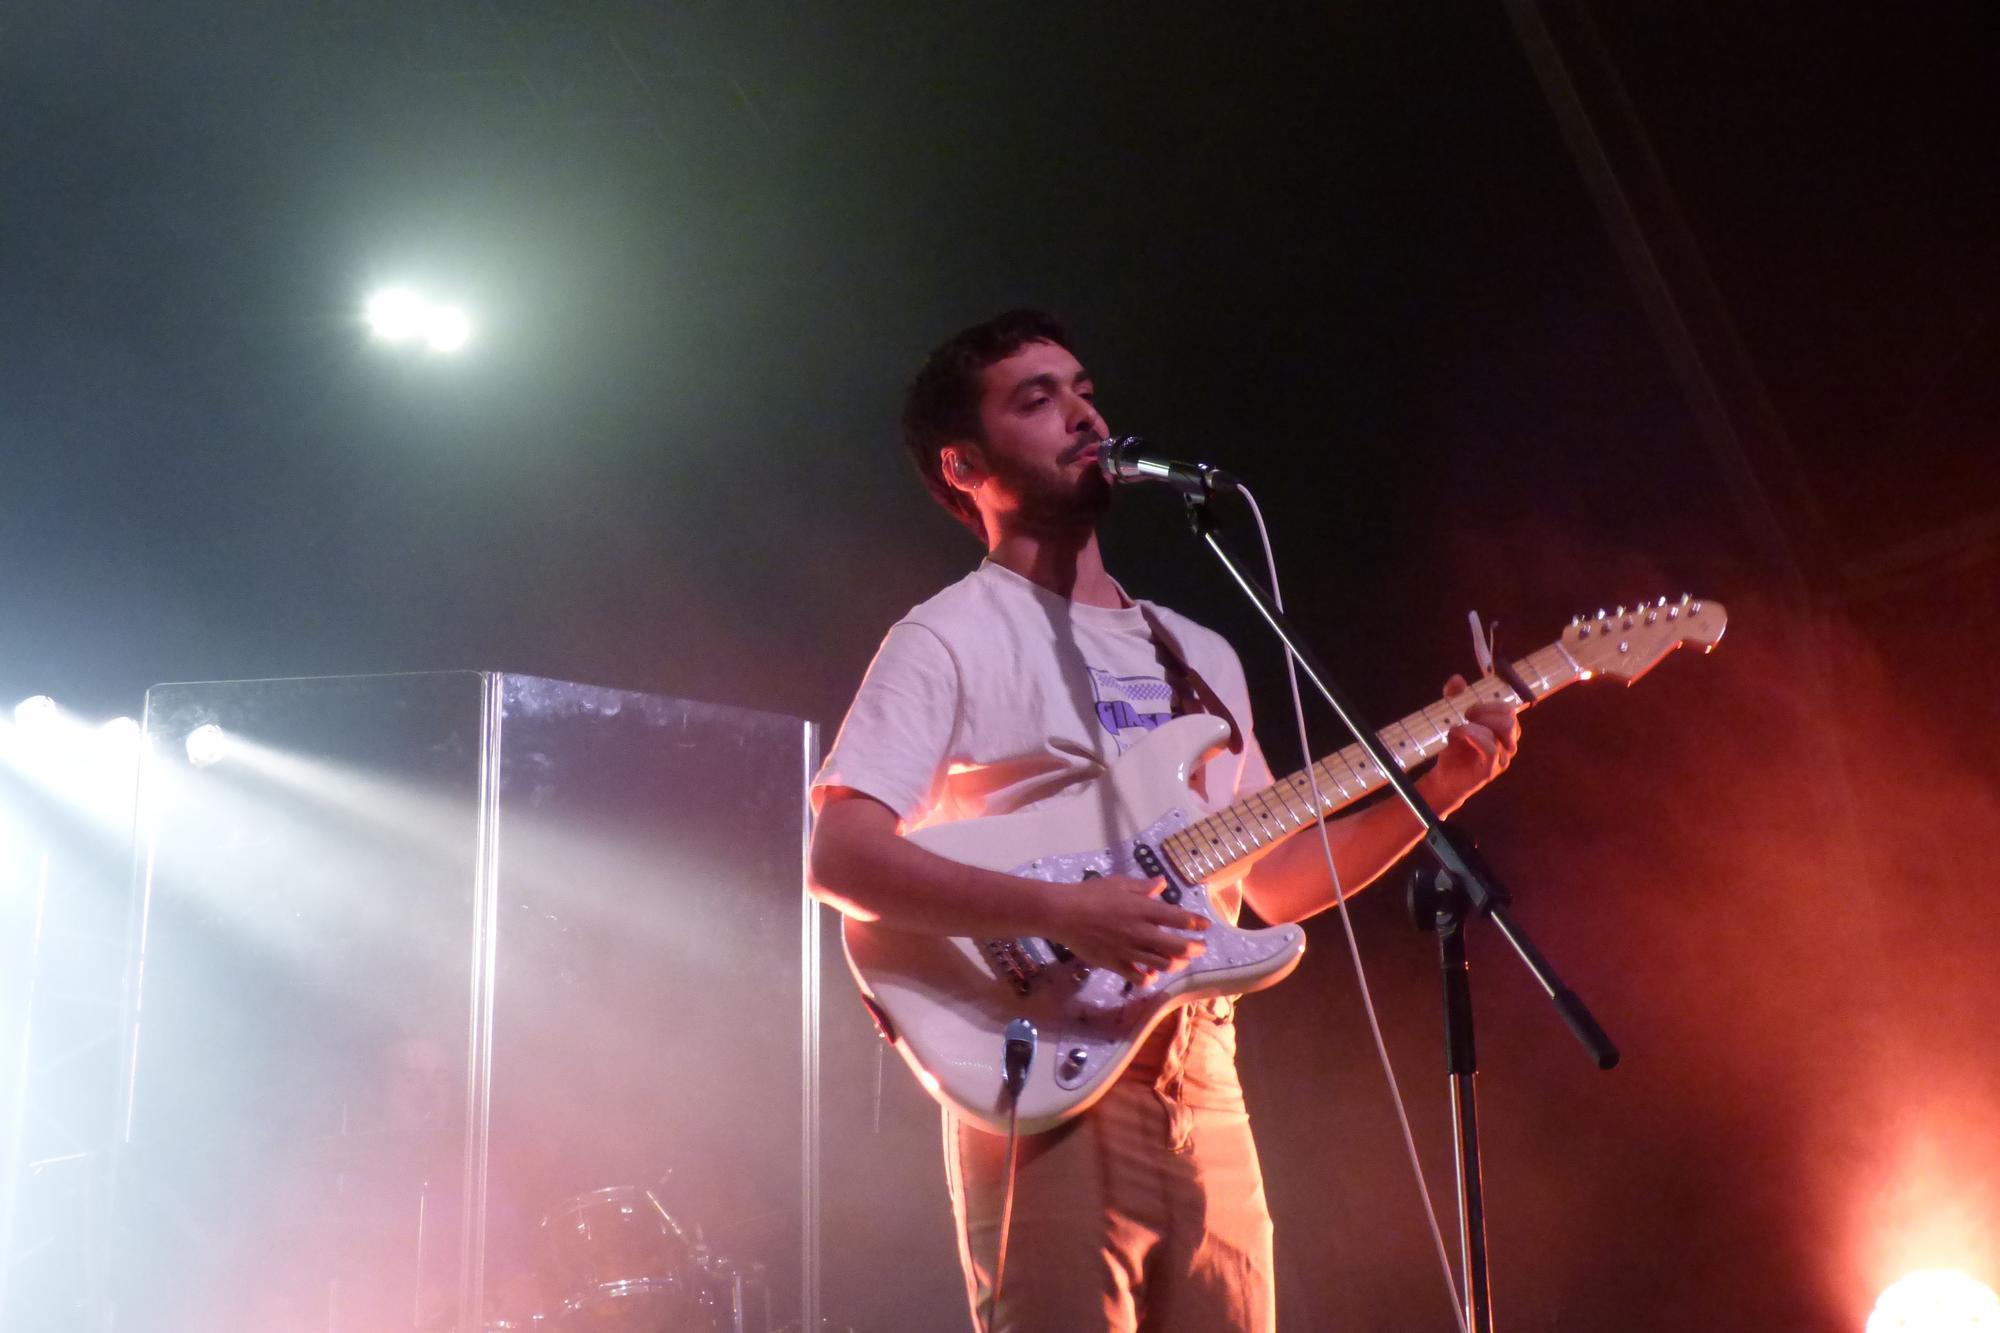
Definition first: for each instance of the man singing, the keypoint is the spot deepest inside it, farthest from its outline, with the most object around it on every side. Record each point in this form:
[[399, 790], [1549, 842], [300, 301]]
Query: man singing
[[1013, 688]]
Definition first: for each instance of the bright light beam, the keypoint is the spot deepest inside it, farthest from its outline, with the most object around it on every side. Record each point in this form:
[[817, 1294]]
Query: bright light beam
[[1936, 1300], [37, 712], [447, 329], [396, 314], [91, 770], [207, 744], [401, 315]]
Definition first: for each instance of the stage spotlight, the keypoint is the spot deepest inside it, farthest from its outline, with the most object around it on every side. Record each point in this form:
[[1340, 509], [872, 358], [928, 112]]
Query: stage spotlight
[[37, 712], [446, 328], [119, 739], [206, 744], [1936, 1300], [399, 315], [396, 314]]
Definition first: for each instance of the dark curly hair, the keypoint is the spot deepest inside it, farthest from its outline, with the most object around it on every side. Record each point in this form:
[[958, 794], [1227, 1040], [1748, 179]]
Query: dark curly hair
[[942, 403]]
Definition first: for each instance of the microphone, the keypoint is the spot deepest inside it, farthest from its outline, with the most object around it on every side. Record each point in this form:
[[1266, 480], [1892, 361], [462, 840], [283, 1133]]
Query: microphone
[[1019, 1054], [1125, 459]]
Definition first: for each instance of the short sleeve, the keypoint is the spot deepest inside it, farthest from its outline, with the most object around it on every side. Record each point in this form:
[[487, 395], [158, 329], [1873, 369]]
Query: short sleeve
[[897, 737]]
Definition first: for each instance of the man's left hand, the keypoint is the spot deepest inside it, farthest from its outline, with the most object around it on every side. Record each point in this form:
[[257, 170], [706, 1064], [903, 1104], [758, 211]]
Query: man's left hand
[[1478, 750]]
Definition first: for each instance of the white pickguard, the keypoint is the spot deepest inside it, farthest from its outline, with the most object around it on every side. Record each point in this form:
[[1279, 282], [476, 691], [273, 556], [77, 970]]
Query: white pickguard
[[946, 1001]]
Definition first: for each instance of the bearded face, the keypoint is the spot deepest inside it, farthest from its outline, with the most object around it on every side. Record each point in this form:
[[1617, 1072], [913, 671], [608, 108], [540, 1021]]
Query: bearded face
[[1040, 426], [1050, 500]]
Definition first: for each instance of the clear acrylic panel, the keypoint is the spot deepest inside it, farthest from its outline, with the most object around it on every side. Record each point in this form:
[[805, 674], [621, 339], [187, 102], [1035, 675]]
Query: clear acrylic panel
[[464, 998]]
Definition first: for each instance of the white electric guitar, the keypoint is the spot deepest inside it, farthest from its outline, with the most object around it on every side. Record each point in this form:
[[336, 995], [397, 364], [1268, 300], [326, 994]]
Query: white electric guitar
[[945, 1002]]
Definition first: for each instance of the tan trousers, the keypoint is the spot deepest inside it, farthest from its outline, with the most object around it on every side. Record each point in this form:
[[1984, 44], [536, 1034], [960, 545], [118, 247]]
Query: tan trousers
[[1146, 1214]]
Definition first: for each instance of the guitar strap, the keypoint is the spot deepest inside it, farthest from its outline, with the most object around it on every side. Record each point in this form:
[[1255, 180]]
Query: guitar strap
[[1187, 682]]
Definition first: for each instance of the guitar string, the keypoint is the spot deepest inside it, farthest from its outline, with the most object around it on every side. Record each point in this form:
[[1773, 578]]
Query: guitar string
[[1187, 844], [1353, 946]]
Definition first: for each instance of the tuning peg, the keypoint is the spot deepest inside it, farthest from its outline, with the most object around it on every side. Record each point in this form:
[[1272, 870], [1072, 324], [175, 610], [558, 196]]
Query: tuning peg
[[1686, 597], [1661, 602], [1602, 614]]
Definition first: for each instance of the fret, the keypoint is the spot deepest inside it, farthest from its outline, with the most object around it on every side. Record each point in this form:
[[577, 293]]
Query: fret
[[1299, 803], [1245, 811], [1548, 668], [1274, 822], [1267, 823], [1407, 742], [1343, 783], [1357, 772], [1364, 765]]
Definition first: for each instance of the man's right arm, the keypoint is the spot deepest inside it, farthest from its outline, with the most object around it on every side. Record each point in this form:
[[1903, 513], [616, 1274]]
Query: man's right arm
[[864, 867]]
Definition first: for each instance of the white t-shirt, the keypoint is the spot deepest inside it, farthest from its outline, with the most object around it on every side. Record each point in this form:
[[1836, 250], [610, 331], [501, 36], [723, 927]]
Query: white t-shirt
[[997, 695]]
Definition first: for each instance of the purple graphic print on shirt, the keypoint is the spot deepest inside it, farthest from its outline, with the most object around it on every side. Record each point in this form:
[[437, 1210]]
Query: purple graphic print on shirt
[[1128, 703]]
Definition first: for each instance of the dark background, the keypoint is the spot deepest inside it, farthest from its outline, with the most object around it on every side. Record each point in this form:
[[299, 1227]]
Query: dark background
[[1530, 309]]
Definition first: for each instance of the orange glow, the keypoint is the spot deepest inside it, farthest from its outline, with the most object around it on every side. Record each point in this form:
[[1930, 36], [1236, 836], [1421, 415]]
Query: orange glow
[[1923, 1204], [1936, 1300]]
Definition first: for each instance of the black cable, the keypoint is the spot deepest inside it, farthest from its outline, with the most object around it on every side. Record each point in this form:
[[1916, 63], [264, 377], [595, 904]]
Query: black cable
[[1017, 1054], [1006, 1209]]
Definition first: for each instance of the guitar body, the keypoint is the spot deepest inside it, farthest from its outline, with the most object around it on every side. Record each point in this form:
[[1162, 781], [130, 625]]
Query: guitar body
[[946, 1001]]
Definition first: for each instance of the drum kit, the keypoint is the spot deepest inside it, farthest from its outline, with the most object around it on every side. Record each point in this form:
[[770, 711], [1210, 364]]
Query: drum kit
[[609, 1260], [615, 1261]]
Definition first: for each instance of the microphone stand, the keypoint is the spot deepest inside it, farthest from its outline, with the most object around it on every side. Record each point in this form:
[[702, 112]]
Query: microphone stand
[[1464, 885]]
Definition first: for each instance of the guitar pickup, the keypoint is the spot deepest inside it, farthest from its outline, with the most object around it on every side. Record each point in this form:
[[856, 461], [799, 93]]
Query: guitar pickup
[[1041, 953]]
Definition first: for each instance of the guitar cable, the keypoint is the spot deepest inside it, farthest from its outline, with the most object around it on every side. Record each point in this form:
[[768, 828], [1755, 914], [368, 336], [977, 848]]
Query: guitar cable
[[1017, 1054], [1006, 1211], [1347, 927]]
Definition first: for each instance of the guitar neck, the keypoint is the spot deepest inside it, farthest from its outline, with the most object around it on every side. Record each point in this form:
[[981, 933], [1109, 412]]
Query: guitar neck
[[1210, 846]]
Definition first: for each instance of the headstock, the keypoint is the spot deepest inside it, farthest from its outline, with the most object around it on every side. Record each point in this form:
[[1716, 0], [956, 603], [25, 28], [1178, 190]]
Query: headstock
[[1627, 643]]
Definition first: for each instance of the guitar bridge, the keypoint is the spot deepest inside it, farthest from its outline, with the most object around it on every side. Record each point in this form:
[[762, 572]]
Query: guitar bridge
[[1014, 963]]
